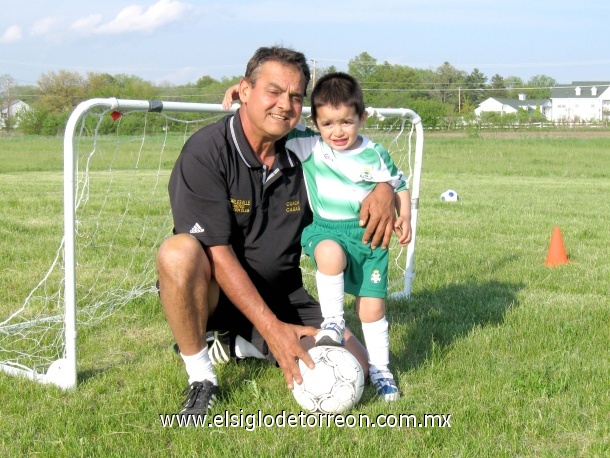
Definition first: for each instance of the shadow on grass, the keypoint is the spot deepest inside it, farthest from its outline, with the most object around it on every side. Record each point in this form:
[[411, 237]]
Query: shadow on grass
[[422, 327], [432, 319]]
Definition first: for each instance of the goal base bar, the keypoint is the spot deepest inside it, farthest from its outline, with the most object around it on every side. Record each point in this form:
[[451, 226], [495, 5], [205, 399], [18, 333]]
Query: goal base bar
[[60, 373]]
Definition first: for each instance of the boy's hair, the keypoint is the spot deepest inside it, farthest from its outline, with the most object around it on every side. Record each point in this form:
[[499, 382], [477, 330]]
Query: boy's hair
[[284, 56], [336, 89]]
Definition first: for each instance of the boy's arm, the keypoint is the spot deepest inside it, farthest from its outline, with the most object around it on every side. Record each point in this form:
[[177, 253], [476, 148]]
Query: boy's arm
[[402, 226], [232, 95]]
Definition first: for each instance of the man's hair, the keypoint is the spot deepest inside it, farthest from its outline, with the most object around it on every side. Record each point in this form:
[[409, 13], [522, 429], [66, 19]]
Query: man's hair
[[336, 89], [284, 56]]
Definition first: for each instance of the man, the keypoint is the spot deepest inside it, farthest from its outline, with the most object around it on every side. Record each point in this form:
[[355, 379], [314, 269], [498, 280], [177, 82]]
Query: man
[[239, 204]]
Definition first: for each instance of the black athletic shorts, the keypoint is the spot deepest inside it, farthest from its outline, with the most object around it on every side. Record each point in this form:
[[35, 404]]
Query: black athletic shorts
[[295, 308]]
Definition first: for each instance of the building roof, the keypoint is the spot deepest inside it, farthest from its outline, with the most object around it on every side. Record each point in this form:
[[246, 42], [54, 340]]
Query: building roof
[[14, 102], [568, 91], [517, 103]]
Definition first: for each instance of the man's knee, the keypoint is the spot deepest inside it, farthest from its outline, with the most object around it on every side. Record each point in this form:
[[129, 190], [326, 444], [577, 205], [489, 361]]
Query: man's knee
[[183, 256]]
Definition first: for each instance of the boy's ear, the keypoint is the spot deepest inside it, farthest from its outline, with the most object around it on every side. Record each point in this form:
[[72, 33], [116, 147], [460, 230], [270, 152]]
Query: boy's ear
[[364, 117]]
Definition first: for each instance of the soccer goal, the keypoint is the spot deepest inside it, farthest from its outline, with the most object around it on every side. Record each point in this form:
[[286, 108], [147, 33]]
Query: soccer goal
[[118, 156]]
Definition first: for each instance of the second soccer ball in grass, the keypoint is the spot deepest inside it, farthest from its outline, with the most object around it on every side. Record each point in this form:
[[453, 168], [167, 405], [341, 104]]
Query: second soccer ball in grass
[[450, 196], [335, 385]]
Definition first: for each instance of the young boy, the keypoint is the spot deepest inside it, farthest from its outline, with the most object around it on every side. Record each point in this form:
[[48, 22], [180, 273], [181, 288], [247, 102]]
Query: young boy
[[341, 168]]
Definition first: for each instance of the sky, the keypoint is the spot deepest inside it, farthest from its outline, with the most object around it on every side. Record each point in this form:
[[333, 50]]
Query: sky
[[177, 41]]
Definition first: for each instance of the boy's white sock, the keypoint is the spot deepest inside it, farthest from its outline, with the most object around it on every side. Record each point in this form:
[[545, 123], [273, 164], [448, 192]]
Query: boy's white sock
[[377, 341], [330, 295], [199, 367], [244, 349]]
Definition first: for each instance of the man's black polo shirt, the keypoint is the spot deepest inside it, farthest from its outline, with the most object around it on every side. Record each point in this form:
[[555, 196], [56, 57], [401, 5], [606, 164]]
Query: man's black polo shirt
[[221, 194]]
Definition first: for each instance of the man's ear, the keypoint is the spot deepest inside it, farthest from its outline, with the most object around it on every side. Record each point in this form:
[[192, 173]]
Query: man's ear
[[244, 90]]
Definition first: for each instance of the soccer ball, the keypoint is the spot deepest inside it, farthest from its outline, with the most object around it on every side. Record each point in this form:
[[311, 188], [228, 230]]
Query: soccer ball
[[450, 196], [334, 386]]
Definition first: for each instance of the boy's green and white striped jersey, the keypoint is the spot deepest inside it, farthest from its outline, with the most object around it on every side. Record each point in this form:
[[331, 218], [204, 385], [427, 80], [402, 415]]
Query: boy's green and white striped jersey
[[338, 181]]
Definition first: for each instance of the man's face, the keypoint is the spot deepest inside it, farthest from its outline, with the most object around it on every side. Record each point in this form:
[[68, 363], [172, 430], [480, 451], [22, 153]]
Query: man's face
[[273, 105]]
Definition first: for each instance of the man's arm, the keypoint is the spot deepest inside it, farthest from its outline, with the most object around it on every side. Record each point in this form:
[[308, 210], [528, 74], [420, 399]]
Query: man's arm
[[378, 214], [282, 338]]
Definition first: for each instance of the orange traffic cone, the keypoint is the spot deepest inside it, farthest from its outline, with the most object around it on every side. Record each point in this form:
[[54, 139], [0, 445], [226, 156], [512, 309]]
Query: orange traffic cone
[[557, 252]]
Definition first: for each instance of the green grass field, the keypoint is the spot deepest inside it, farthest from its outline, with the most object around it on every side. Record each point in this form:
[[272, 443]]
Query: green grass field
[[518, 354]]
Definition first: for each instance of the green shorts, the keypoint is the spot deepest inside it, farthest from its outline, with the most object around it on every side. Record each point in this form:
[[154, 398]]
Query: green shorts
[[366, 273]]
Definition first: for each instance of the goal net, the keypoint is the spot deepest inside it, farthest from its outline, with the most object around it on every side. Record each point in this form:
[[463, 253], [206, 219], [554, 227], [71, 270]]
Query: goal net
[[118, 155]]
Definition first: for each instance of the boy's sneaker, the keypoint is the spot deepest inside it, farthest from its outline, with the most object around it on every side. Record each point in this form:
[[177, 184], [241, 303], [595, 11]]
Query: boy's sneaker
[[200, 396], [221, 347], [384, 384], [331, 334]]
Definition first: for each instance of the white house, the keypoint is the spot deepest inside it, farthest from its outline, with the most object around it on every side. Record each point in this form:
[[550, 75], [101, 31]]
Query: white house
[[505, 106], [581, 101], [11, 111]]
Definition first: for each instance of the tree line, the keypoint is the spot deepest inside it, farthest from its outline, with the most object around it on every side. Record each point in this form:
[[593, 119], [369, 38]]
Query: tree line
[[441, 96]]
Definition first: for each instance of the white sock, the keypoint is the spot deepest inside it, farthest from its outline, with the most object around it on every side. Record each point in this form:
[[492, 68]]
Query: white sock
[[330, 295], [377, 341], [244, 349], [199, 367]]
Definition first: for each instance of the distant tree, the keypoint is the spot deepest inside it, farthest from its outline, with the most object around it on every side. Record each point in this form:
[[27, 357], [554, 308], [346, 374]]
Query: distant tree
[[475, 88], [31, 121], [537, 116], [448, 80], [467, 107], [134, 87], [427, 82], [321, 71], [514, 86], [497, 87], [391, 86], [541, 86], [101, 85], [228, 81], [205, 81], [362, 67], [60, 91], [433, 113]]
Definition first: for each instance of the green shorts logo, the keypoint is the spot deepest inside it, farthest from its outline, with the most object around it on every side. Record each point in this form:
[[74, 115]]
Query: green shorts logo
[[375, 277]]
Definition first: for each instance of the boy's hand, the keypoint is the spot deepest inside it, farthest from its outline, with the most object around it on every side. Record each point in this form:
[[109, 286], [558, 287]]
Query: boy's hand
[[402, 227], [232, 95]]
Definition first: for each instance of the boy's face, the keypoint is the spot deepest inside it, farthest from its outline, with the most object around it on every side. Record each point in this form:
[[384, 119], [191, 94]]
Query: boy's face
[[339, 126]]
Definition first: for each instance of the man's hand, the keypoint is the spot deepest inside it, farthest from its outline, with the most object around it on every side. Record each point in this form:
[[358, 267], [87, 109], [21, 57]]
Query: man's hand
[[283, 339], [284, 342], [378, 214]]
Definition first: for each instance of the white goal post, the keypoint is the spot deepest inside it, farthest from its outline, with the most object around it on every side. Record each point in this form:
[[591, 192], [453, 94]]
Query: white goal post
[[60, 287]]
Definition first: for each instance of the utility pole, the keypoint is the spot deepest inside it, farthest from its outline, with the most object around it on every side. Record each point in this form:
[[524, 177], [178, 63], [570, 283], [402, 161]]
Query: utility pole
[[313, 80]]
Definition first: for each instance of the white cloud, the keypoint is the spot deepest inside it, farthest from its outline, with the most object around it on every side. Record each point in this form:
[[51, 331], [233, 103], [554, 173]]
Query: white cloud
[[87, 24], [135, 18], [46, 26], [12, 34]]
